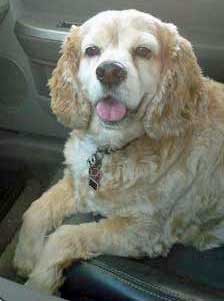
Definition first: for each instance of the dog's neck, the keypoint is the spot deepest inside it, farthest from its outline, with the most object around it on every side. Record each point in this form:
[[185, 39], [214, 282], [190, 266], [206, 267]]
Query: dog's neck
[[115, 137], [95, 163]]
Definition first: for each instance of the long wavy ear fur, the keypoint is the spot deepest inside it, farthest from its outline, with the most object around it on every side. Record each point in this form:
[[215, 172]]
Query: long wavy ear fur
[[67, 100], [179, 97]]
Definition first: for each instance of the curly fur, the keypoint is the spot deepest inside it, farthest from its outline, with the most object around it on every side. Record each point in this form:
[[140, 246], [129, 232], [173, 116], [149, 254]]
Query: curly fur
[[163, 182], [67, 101]]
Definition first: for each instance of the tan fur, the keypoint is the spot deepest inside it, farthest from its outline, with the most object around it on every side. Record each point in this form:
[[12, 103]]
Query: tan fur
[[42, 217], [179, 94], [68, 103], [163, 182]]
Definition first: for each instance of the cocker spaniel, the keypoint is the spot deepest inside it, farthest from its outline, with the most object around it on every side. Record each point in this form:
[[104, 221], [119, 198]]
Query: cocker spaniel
[[146, 150]]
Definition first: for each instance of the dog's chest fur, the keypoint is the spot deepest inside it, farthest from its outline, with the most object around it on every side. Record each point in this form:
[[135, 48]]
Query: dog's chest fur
[[78, 152], [137, 179], [124, 173]]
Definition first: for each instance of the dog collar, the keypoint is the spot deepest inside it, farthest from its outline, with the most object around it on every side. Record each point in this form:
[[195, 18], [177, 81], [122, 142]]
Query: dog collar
[[95, 163]]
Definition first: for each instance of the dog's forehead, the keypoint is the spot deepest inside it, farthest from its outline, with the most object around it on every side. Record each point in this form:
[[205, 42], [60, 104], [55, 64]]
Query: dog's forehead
[[108, 24]]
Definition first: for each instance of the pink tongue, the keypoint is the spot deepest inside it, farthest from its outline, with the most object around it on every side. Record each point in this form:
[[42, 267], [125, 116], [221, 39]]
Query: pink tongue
[[111, 110]]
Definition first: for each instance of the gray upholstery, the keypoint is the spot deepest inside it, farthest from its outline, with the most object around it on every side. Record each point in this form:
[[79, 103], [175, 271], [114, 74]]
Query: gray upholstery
[[10, 291]]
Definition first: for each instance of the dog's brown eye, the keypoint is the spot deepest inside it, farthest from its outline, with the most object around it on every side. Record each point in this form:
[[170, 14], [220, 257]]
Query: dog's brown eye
[[143, 52], [92, 51]]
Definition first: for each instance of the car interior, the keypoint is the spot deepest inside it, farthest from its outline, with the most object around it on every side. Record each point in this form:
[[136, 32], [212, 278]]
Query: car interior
[[31, 149]]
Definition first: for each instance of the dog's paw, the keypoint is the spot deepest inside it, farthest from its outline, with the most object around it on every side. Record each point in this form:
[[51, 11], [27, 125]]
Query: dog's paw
[[24, 258], [23, 264], [45, 280], [30, 243]]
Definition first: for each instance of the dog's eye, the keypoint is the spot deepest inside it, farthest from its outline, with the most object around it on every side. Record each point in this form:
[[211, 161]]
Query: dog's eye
[[143, 52], [92, 51]]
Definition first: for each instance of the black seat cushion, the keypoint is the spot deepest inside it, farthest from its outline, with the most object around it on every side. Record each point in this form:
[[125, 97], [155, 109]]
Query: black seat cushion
[[186, 274], [204, 268]]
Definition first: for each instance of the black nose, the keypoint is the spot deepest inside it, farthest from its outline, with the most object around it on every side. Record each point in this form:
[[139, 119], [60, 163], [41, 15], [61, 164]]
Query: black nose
[[111, 73]]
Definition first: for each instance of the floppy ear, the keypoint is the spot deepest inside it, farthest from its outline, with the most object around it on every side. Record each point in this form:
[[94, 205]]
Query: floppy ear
[[179, 96], [67, 100]]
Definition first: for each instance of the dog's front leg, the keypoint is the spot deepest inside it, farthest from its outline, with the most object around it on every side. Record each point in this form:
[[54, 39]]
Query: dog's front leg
[[116, 236], [44, 215]]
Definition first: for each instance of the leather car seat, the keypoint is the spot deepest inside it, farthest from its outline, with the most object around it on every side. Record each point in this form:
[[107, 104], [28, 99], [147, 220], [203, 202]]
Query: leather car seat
[[184, 275]]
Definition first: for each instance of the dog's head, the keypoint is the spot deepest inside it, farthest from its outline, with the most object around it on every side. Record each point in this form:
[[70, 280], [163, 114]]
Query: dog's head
[[126, 71]]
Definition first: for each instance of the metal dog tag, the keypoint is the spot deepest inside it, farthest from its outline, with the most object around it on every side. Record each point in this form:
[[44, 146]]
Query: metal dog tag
[[95, 173]]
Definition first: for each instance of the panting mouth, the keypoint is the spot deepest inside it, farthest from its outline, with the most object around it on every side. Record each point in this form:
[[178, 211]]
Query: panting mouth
[[111, 110]]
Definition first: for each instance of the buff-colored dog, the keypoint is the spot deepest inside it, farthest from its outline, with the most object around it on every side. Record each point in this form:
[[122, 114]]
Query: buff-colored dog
[[146, 149]]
